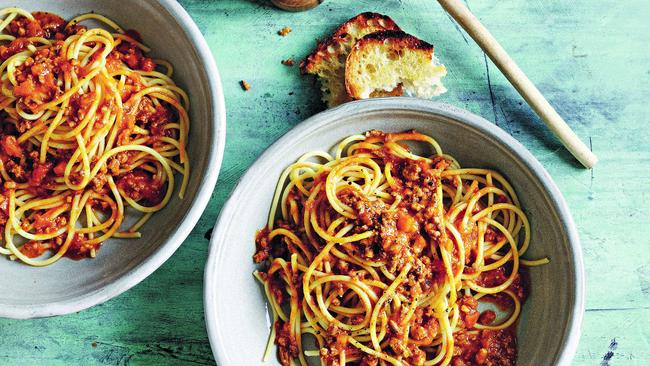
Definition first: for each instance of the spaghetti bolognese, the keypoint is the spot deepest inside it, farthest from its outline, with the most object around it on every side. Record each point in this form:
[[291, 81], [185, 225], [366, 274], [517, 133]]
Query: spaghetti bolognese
[[384, 256], [90, 127]]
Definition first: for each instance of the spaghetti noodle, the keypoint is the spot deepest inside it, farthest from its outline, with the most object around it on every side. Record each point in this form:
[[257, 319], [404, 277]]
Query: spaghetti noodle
[[89, 128], [383, 256]]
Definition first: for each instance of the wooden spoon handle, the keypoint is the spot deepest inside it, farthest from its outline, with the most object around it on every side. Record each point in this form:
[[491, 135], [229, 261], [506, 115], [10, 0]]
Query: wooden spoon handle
[[520, 81]]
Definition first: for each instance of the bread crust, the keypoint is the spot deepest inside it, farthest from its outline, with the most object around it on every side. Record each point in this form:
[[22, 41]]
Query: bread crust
[[398, 37], [391, 40], [334, 42], [363, 20]]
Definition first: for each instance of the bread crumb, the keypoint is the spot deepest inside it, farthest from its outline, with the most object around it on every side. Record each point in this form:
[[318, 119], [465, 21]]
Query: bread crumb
[[284, 31], [245, 85], [288, 62]]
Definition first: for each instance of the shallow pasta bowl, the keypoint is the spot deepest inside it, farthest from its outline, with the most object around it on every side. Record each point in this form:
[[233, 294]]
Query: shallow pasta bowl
[[235, 305], [68, 286]]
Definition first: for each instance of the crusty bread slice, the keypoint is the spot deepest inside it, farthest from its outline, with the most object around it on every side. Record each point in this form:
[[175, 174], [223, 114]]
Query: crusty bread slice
[[382, 61], [363, 24], [328, 60]]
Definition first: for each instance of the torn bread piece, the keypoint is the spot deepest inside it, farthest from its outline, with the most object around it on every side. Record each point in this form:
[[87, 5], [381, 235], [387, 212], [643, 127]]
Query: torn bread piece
[[383, 61], [328, 60]]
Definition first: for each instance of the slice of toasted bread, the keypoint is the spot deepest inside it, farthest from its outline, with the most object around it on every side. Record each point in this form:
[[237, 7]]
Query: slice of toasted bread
[[363, 24], [382, 61], [328, 60]]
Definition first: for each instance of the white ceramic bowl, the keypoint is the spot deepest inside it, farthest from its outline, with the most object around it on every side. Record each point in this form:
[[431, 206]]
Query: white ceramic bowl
[[68, 286], [235, 305]]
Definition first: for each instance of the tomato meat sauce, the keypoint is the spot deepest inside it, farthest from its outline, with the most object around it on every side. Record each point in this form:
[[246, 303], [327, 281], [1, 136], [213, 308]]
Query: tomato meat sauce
[[38, 82], [408, 233]]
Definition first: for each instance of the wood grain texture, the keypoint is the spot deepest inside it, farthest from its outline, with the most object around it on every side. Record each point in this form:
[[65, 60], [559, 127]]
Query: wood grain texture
[[590, 59]]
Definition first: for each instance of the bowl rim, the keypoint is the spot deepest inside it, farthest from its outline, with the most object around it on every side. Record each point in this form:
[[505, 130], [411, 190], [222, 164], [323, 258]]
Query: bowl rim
[[202, 197], [569, 348]]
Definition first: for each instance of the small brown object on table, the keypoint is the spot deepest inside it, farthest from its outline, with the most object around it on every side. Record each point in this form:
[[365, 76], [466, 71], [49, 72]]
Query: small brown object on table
[[296, 5]]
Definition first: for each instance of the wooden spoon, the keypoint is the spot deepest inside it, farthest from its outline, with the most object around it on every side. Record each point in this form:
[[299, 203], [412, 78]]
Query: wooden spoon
[[520, 81]]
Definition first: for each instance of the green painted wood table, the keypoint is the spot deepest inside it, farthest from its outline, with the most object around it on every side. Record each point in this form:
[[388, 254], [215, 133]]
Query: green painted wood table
[[591, 59]]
